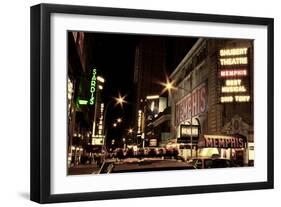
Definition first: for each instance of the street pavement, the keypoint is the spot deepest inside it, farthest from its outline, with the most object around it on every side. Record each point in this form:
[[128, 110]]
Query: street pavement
[[83, 169]]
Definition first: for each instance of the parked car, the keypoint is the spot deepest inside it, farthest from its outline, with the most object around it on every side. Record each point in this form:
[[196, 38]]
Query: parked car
[[140, 153], [152, 153], [211, 162], [144, 166], [171, 153]]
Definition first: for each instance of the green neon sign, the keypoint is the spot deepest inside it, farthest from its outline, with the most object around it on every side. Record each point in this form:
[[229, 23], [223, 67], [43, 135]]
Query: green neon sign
[[82, 102], [93, 87]]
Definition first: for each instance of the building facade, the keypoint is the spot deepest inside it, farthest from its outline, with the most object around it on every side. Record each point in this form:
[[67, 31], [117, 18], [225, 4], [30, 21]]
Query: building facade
[[155, 58], [84, 100], [157, 121], [212, 106]]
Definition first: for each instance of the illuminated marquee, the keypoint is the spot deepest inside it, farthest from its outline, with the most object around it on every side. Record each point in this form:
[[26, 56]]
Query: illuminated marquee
[[233, 89], [229, 59], [220, 141], [188, 130], [234, 86], [93, 87]]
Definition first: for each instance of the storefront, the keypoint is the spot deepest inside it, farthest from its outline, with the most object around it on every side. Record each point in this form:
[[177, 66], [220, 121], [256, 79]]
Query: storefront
[[229, 147]]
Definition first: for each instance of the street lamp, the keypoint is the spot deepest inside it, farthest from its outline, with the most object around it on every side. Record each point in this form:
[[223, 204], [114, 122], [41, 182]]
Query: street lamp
[[118, 121], [130, 131], [169, 87], [130, 135], [124, 143], [100, 79], [120, 100]]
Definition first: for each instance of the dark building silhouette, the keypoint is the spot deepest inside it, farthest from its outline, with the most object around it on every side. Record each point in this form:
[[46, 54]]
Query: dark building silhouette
[[155, 58]]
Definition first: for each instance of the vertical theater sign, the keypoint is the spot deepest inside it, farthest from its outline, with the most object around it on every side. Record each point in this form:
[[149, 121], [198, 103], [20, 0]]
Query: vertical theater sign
[[191, 105], [93, 87], [233, 72]]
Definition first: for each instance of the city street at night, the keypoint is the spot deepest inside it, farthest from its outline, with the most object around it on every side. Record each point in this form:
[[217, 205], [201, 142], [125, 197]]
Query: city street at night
[[139, 103]]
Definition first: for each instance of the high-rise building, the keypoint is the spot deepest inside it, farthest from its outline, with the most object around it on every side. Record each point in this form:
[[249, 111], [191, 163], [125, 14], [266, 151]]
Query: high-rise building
[[155, 58], [84, 98]]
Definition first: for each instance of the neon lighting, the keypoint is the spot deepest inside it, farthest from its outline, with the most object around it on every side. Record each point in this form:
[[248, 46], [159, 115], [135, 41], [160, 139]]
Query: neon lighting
[[231, 89], [82, 102], [152, 97], [242, 98], [233, 52], [227, 99], [93, 87], [234, 61], [233, 82], [230, 99], [233, 72], [100, 79]]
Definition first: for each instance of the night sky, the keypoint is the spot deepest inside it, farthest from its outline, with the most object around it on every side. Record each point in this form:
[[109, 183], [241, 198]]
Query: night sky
[[113, 56]]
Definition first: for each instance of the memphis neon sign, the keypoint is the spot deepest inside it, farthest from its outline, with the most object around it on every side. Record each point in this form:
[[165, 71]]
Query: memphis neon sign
[[233, 73]]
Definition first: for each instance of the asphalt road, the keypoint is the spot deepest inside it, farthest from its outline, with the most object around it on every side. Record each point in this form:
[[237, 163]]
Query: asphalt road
[[83, 169]]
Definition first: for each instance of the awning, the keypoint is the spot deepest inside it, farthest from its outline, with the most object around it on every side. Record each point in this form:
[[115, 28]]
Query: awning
[[222, 141]]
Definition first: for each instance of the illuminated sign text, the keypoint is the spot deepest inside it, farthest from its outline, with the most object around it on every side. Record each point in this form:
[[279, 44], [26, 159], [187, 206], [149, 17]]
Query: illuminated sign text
[[222, 142], [192, 104], [93, 87], [233, 82], [229, 99], [233, 52], [234, 61], [233, 89], [233, 72], [188, 130], [139, 121]]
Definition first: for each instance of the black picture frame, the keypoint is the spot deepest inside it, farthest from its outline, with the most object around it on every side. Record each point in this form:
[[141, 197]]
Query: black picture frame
[[41, 114]]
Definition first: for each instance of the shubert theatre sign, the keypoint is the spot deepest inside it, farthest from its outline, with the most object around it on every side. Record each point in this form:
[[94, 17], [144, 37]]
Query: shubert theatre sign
[[233, 72]]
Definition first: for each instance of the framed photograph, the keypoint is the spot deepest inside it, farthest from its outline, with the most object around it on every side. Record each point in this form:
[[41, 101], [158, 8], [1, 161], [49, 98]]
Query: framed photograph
[[133, 103]]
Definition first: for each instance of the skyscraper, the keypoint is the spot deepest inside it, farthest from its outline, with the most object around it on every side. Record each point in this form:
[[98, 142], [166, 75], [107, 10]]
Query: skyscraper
[[155, 58]]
